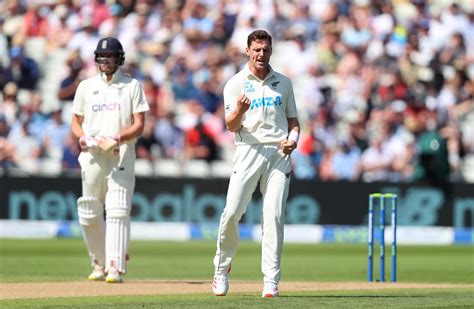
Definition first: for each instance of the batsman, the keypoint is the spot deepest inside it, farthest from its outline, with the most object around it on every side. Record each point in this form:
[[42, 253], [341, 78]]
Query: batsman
[[108, 116], [260, 109]]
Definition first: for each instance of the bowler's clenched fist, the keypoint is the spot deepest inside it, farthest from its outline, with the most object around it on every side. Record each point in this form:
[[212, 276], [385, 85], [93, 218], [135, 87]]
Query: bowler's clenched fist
[[243, 104]]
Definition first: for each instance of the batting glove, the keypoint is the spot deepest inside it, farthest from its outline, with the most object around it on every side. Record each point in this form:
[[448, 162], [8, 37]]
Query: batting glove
[[86, 142], [117, 147]]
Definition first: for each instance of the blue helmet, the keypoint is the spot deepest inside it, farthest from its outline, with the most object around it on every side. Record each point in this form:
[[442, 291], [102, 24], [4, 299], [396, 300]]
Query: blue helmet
[[110, 46]]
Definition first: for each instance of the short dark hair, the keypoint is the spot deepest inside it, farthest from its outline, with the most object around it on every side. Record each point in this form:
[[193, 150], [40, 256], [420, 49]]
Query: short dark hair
[[258, 35]]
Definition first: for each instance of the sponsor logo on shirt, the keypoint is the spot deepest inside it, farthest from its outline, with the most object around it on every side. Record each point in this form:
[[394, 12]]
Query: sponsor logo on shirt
[[275, 84], [105, 107], [268, 101]]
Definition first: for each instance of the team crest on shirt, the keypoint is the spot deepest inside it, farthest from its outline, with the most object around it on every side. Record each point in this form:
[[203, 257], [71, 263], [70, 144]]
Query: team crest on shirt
[[249, 87], [95, 92], [275, 84]]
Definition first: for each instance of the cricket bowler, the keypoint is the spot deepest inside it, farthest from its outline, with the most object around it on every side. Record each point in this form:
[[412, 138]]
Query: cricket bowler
[[260, 109]]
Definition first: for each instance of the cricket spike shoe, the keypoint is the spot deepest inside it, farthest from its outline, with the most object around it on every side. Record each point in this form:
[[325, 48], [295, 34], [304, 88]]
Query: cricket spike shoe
[[270, 290], [97, 273], [220, 284], [114, 276]]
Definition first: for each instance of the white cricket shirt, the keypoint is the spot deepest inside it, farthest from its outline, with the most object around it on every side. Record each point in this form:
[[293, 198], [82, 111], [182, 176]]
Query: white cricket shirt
[[108, 107], [272, 102]]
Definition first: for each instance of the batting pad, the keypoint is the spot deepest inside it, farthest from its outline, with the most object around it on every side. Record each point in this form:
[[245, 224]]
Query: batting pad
[[91, 219], [118, 229]]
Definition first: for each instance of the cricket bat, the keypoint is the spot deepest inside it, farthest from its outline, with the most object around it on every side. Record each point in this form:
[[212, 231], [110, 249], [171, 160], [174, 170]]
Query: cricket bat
[[105, 142]]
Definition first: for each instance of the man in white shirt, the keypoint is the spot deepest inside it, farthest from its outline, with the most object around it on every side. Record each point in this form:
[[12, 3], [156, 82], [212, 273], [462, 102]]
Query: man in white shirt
[[108, 116], [260, 109]]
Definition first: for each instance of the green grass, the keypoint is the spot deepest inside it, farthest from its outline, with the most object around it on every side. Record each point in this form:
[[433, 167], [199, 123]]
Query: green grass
[[66, 260], [419, 298]]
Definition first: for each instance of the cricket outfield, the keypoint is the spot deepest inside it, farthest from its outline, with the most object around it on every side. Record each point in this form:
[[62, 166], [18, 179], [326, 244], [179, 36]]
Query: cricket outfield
[[45, 273]]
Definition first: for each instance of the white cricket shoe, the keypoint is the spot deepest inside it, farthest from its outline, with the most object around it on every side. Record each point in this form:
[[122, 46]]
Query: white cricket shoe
[[270, 290], [97, 273], [220, 284], [113, 276]]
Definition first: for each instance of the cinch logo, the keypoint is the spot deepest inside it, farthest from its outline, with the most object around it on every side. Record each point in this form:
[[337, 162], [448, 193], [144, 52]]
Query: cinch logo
[[105, 107], [268, 101]]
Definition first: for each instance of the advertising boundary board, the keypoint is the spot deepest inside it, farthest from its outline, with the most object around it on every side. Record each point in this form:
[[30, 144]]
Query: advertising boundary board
[[202, 200]]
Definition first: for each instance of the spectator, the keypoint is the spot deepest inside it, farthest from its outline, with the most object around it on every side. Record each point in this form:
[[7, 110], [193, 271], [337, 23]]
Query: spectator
[[6, 148], [168, 136], [26, 148], [199, 139], [345, 159], [54, 134], [433, 166], [196, 21], [75, 75], [374, 164], [23, 70], [8, 108], [35, 21], [146, 141], [71, 151], [351, 57], [58, 32]]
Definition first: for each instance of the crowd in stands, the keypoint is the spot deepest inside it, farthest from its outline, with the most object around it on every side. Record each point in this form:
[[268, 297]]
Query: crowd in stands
[[384, 89]]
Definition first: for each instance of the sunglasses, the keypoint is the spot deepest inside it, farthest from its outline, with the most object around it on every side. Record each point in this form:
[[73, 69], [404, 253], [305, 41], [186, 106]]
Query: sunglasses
[[106, 60]]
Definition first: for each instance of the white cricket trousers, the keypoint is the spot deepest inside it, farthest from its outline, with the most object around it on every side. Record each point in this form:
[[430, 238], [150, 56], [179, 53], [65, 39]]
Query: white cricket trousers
[[263, 164], [108, 180]]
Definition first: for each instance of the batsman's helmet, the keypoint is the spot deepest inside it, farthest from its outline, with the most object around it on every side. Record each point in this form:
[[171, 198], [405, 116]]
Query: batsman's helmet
[[110, 46]]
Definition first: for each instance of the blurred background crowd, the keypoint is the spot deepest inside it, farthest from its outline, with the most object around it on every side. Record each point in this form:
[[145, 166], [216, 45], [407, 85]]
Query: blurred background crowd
[[384, 88]]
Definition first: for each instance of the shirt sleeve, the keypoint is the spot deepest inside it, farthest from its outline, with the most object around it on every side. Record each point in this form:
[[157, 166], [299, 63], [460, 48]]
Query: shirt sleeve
[[78, 103], [291, 111], [139, 102], [232, 91]]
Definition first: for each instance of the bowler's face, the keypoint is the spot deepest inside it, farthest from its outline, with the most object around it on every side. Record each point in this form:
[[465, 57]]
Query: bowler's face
[[259, 54]]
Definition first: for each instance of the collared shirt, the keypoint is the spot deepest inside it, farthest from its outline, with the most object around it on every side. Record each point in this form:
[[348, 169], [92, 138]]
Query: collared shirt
[[108, 106], [272, 102]]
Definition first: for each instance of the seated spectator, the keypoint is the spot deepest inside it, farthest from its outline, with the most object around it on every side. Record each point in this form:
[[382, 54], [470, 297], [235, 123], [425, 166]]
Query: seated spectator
[[345, 160], [146, 141], [433, 166], [71, 151], [58, 32], [9, 106], [198, 144], [208, 96], [6, 148], [23, 70], [35, 21], [182, 84], [374, 164], [68, 86], [195, 18], [26, 148], [54, 134], [169, 136], [307, 157]]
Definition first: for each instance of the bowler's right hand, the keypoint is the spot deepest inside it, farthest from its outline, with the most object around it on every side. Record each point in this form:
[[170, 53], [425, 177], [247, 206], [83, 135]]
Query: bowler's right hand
[[243, 104]]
